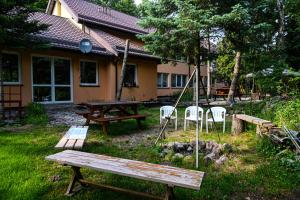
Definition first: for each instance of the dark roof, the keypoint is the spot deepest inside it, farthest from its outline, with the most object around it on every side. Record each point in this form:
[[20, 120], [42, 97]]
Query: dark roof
[[62, 33], [85, 11]]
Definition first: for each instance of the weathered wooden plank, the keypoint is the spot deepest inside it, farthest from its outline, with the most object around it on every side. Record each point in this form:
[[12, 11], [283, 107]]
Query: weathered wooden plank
[[136, 169], [254, 120], [61, 144], [70, 144], [79, 144]]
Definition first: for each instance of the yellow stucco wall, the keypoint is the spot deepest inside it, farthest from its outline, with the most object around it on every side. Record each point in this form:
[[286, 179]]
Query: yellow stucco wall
[[107, 82]]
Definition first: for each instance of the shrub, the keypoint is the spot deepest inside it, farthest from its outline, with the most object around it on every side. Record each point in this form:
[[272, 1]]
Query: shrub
[[35, 114], [288, 114], [187, 96]]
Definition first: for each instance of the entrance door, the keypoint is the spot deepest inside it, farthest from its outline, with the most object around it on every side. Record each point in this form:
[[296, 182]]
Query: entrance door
[[51, 80]]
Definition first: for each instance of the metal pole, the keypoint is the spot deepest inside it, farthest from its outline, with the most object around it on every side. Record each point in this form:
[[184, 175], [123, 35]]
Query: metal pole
[[197, 119], [176, 104]]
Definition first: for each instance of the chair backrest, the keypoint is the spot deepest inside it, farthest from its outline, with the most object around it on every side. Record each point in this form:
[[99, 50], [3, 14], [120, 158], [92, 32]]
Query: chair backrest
[[165, 111], [192, 111], [217, 112]]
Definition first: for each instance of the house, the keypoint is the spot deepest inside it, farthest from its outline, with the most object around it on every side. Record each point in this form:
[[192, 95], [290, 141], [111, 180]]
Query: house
[[63, 74], [171, 79]]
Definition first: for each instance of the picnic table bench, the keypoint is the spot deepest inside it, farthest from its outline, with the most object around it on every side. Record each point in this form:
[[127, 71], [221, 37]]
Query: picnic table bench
[[74, 138], [223, 92], [170, 176], [238, 124], [104, 112]]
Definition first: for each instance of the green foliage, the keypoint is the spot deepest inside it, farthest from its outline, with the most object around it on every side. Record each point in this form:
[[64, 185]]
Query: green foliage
[[15, 28], [35, 114], [285, 157], [287, 113]]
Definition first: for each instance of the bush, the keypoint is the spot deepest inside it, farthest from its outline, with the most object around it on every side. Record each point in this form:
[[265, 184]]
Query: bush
[[187, 96], [288, 114], [35, 114]]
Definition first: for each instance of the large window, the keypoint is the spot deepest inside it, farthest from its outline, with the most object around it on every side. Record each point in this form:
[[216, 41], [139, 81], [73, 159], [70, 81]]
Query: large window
[[88, 73], [51, 79], [11, 68], [162, 80], [178, 80], [130, 76]]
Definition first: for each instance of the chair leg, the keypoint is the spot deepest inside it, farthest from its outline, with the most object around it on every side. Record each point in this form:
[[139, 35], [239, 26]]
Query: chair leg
[[184, 125], [206, 126], [201, 126], [224, 123], [176, 124]]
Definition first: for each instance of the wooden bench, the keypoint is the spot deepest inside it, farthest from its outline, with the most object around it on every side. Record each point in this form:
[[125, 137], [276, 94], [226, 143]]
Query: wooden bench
[[74, 138], [104, 121], [170, 176], [238, 124]]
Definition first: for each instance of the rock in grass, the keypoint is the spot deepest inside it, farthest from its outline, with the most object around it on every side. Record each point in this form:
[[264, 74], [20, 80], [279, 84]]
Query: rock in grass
[[178, 147], [221, 160], [209, 158], [190, 149], [177, 157]]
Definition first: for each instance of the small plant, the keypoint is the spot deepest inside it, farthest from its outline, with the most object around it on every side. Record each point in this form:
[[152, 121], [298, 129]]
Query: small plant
[[288, 114], [35, 114]]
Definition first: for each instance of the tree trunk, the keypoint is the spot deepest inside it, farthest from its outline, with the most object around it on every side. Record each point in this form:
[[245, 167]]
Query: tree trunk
[[236, 73], [1, 87], [208, 71], [280, 7], [119, 94]]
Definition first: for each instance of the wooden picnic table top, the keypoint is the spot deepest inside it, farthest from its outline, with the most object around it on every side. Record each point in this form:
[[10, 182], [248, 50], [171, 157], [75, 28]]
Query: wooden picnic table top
[[146, 171], [110, 103]]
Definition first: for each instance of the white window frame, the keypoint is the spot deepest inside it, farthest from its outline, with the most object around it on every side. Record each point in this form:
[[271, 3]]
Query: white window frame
[[19, 69], [52, 85], [182, 84], [97, 73], [161, 82], [135, 75]]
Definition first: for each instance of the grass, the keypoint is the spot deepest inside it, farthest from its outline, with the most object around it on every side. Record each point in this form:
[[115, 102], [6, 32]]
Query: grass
[[25, 174]]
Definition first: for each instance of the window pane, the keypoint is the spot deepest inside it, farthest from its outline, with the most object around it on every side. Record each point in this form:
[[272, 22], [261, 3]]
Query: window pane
[[183, 80], [165, 80], [159, 80], [178, 81], [41, 68], [10, 67], [62, 72], [62, 94], [88, 72], [130, 74], [42, 94], [173, 80]]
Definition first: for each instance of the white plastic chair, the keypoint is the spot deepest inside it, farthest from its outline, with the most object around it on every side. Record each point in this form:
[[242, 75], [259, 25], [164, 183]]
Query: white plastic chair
[[165, 112], [219, 114], [191, 115]]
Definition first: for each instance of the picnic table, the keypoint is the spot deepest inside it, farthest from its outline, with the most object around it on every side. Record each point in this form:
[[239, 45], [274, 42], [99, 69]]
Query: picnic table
[[223, 92], [103, 112]]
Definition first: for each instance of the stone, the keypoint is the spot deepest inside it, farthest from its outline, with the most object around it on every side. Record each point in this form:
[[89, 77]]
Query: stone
[[221, 160], [202, 145], [209, 158], [190, 149], [177, 157], [169, 145], [178, 147]]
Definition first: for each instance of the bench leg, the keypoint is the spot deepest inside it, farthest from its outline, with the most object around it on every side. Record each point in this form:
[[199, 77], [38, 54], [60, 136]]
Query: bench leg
[[170, 193], [139, 123], [105, 128], [75, 178]]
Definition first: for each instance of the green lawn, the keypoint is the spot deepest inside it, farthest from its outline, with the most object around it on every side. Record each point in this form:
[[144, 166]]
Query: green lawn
[[25, 174]]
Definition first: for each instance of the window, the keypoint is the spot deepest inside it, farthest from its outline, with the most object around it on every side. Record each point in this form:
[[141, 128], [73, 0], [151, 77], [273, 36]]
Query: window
[[88, 73], [162, 80], [178, 80], [130, 76], [11, 68], [51, 79]]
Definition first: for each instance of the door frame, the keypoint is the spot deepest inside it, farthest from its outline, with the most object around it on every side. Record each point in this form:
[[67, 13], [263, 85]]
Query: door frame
[[52, 79]]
